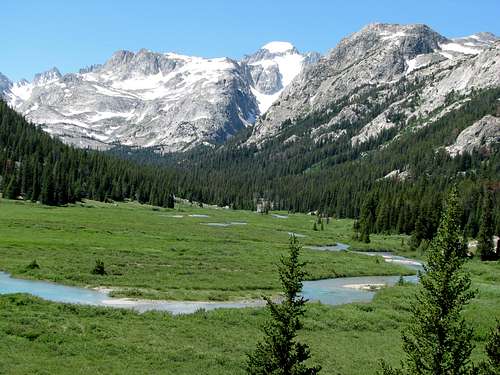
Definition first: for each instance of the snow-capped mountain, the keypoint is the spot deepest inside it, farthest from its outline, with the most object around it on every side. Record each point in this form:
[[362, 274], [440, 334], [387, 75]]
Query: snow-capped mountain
[[157, 99], [381, 77], [272, 68], [5, 83]]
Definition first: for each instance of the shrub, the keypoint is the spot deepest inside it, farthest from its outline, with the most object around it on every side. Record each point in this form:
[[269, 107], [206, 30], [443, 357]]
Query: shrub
[[99, 268]]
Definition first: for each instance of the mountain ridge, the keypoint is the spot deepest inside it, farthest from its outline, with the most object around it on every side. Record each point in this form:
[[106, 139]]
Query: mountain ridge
[[148, 98], [176, 102], [376, 56]]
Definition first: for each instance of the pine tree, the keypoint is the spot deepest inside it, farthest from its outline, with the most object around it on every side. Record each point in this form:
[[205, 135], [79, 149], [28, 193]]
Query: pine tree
[[280, 353], [356, 228], [492, 365], [47, 192], [12, 189], [438, 341], [364, 235], [383, 220], [367, 219], [35, 189], [170, 201], [485, 245]]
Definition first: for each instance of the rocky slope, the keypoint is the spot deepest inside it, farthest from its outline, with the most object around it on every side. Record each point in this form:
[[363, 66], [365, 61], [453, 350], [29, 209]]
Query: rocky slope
[[382, 77], [157, 99], [480, 135], [5, 83]]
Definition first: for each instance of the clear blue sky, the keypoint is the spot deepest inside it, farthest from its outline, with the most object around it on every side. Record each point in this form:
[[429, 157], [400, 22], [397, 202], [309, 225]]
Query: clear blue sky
[[69, 34]]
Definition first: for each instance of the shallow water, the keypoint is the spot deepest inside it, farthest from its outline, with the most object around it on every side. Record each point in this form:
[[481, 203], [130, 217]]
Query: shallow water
[[397, 259], [67, 294], [224, 224], [344, 290], [51, 291], [337, 247], [298, 235], [336, 291]]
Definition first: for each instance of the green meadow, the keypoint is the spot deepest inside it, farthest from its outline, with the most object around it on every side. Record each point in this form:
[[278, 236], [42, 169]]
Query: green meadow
[[148, 253], [167, 254], [40, 337]]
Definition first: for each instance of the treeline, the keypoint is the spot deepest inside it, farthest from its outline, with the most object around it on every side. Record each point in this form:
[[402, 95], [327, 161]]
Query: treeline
[[420, 218], [332, 177], [34, 166], [336, 178]]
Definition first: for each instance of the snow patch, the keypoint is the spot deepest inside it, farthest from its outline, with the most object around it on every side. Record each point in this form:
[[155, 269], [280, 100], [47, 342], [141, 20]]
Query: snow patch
[[289, 66], [265, 101], [456, 47], [98, 116], [107, 92], [278, 47], [449, 56], [387, 35], [412, 65], [22, 90]]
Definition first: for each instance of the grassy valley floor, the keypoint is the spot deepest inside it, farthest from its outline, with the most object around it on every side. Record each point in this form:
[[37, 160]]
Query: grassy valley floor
[[168, 254], [153, 253], [39, 337]]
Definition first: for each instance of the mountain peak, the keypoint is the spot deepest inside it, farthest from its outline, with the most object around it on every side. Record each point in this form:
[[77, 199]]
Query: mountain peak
[[485, 36], [394, 27], [48, 75], [393, 32], [119, 58], [405, 41], [5, 83], [279, 47]]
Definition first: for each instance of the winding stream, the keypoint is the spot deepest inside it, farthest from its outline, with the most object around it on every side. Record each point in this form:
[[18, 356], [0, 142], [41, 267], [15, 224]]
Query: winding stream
[[335, 291], [85, 296]]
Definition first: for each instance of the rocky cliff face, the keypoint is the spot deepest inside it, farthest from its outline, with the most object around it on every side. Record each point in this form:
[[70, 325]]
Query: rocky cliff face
[[381, 77], [480, 135], [156, 99]]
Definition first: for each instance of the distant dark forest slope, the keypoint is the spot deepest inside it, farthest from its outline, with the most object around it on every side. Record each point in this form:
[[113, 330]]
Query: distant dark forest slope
[[336, 178], [37, 167]]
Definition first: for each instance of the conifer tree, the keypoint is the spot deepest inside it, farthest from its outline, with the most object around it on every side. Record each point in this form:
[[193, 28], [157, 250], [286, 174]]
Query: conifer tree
[[280, 353], [356, 228], [12, 189], [170, 201], [438, 341], [492, 365], [47, 192], [367, 219], [485, 245], [35, 189]]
